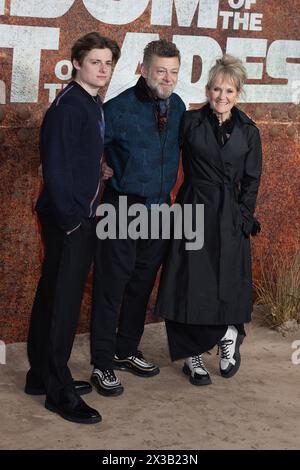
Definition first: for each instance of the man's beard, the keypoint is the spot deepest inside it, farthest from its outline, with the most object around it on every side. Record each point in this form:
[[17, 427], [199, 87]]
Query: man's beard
[[159, 91]]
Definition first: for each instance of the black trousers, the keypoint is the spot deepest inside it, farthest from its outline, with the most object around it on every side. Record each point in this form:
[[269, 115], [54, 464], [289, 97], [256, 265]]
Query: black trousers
[[124, 276], [187, 340], [56, 307]]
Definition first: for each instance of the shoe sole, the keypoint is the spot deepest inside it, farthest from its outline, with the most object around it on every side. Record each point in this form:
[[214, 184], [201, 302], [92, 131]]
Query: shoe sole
[[186, 370], [236, 367], [106, 393], [135, 372], [54, 409]]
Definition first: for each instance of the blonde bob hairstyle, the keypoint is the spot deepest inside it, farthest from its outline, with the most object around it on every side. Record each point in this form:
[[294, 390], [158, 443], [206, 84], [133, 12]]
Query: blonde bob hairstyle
[[231, 68]]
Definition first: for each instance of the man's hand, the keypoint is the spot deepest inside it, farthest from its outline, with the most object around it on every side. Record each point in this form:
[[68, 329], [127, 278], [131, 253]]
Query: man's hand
[[106, 171]]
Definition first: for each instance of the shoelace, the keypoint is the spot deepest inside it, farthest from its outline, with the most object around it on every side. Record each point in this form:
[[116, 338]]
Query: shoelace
[[109, 375], [197, 362], [141, 358], [224, 346]]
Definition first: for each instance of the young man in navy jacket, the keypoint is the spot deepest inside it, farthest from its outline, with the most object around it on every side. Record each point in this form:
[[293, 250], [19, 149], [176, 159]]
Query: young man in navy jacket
[[71, 145], [142, 148]]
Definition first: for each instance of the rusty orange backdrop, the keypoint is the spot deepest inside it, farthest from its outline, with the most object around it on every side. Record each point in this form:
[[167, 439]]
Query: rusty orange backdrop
[[32, 72]]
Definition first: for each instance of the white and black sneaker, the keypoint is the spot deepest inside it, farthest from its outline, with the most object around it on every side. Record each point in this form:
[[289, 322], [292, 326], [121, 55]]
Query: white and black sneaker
[[137, 365], [195, 368], [229, 345], [106, 383]]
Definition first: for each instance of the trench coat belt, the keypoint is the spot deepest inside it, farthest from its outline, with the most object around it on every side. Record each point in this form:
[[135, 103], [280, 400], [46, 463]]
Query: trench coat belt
[[230, 218]]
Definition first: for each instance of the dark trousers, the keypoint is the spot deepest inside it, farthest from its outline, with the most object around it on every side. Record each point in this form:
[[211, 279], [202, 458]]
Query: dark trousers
[[124, 276], [186, 340], [56, 307]]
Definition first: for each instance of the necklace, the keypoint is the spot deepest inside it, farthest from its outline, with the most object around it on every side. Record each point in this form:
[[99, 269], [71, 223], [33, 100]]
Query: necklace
[[220, 119]]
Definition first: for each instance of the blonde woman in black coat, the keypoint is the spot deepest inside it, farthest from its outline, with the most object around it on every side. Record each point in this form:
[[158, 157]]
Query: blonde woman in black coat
[[205, 295]]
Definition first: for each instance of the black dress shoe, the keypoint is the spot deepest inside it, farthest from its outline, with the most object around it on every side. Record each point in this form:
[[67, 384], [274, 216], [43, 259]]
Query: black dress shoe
[[81, 387], [73, 408]]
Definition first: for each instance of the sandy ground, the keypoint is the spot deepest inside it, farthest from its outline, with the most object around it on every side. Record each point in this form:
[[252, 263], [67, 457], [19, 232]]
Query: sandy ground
[[259, 408]]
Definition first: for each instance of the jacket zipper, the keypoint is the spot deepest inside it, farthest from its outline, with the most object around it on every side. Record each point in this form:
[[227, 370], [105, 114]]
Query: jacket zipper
[[162, 147], [97, 190]]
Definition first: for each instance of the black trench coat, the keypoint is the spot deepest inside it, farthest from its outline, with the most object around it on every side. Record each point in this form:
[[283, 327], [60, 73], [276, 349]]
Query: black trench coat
[[213, 285]]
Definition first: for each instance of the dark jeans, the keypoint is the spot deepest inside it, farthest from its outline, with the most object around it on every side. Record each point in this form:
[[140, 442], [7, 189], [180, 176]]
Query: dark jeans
[[124, 276], [56, 307]]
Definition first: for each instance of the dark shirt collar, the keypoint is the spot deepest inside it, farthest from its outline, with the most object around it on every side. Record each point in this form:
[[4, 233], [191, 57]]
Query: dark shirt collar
[[96, 99]]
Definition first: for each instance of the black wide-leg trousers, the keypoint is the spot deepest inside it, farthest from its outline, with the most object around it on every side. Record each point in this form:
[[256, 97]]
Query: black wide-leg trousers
[[56, 307], [124, 275]]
